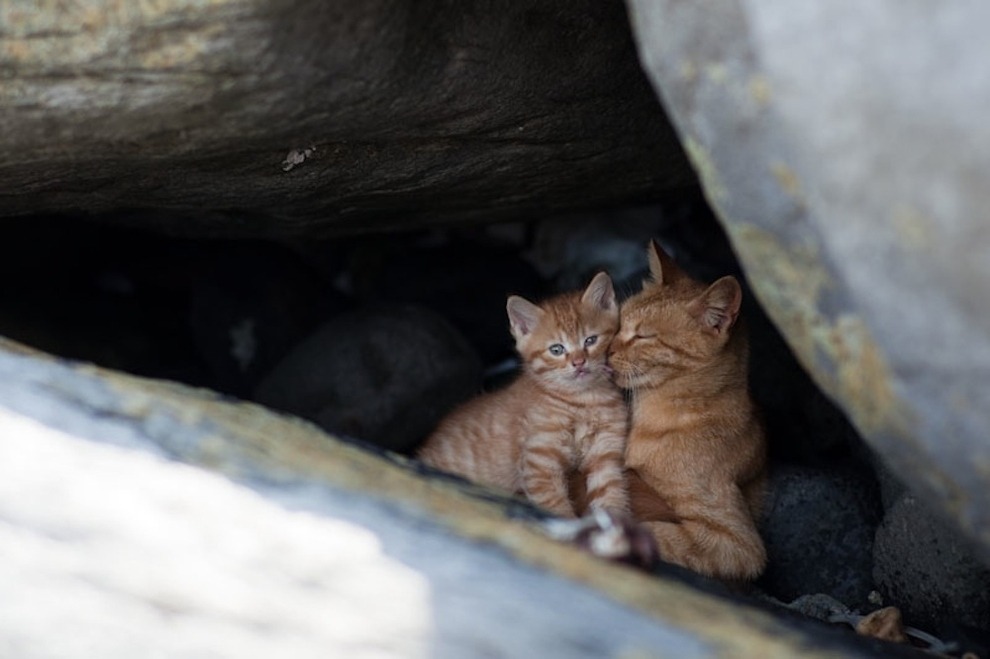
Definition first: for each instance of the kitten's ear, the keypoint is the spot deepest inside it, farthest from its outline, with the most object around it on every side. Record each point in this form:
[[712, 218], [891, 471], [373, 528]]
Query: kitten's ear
[[523, 315], [600, 294], [663, 270], [718, 307]]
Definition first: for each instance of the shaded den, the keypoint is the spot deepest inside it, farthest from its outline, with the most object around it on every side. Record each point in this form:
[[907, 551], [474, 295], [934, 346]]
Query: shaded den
[[308, 216]]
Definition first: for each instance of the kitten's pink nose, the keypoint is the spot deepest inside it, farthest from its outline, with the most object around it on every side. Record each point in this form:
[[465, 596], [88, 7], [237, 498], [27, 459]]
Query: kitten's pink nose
[[578, 361]]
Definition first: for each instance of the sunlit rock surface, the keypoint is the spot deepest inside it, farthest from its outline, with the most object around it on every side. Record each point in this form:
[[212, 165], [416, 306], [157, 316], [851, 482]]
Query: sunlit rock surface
[[147, 519], [845, 147]]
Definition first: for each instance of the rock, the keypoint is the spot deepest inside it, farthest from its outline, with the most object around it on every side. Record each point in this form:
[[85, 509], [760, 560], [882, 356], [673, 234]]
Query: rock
[[249, 304], [818, 526], [464, 279], [570, 249], [845, 148], [239, 509], [818, 606], [386, 376], [892, 489], [244, 118], [926, 569]]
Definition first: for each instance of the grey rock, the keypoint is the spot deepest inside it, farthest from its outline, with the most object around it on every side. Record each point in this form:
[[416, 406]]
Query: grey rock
[[818, 606], [892, 489], [845, 147], [112, 551], [465, 279], [924, 567], [137, 514], [249, 304], [386, 376], [253, 118], [818, 526]]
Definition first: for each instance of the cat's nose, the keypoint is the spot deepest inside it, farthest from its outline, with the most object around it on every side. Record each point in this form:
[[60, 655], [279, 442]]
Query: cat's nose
[[578, 360]]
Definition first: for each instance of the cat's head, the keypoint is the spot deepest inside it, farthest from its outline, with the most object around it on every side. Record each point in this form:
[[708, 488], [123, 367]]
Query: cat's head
[[563, 342], [675, 325]]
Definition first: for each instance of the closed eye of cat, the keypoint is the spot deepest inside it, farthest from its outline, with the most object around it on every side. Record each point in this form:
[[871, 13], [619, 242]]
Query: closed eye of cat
[[639, 335]]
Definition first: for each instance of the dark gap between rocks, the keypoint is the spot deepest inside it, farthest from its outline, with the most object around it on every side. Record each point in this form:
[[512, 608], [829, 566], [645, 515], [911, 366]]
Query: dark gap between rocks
[[376, 336]]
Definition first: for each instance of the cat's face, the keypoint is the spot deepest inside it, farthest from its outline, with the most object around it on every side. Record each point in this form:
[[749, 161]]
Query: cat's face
[[564, 342], [674, 326]]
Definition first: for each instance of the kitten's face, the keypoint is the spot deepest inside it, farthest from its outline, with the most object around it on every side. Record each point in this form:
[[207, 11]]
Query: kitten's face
[[674, 326], [569, 350], [564, 341]]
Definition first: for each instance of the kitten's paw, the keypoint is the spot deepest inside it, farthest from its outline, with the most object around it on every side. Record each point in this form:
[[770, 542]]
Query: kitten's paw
[[607, 534]]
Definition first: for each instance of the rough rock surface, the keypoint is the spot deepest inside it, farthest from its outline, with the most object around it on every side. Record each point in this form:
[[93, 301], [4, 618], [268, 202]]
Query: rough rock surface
[[265, 118], [926, 569], [845, 147], [385, 375], [138, 516], [819, 526], [464, 279], [248, 306]]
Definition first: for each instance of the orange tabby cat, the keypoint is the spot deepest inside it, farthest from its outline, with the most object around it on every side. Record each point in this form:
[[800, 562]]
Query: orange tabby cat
[[562, 416], [696, 453]]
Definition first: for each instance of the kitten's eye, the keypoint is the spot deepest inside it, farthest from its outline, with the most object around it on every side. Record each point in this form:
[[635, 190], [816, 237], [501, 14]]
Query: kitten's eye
[[556, 350], [590, 341]]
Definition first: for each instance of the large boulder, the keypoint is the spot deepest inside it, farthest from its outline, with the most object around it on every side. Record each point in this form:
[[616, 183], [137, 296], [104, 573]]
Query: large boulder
[[137, 514], [265, 118], [845, 147], [384, 375]]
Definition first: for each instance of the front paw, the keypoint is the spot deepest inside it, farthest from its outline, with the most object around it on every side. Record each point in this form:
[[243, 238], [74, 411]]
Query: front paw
[[609, 535]]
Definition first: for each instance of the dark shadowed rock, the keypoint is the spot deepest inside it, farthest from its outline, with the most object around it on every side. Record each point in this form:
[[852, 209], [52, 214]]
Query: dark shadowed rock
[[818, 526], [464, 278], [98, 293], [845, 148], [249, 304], [263, 118], [386, 376], [924, 567]]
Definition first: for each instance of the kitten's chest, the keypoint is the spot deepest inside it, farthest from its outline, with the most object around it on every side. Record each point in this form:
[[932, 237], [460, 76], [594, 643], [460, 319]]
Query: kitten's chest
[[590, 424]]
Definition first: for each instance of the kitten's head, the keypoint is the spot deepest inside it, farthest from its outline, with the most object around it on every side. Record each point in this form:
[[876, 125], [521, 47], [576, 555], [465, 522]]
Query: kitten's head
[[675, 325], [564, 341]]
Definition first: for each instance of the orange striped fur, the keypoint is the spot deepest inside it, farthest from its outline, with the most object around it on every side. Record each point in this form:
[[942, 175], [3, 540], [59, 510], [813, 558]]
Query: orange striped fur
[[696, 452], [561, 419]]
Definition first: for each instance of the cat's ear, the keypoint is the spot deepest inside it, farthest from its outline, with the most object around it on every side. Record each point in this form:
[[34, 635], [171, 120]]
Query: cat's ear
[[523, 315], [663, 270], [600, 294], [718, 307]]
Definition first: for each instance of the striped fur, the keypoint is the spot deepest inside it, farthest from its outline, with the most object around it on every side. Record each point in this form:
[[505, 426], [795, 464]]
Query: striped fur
[[696, 454], [562, 419]]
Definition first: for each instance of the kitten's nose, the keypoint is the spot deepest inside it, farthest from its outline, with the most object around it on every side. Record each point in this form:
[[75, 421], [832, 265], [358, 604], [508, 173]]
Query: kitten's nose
[[578, 360]]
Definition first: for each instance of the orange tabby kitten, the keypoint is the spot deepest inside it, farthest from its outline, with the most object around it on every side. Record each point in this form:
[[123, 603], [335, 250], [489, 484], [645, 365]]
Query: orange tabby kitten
[[696, 454], [562, 416]]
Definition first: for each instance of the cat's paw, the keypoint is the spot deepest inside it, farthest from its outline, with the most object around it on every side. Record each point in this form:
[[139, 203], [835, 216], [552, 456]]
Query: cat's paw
[[609, 535]]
